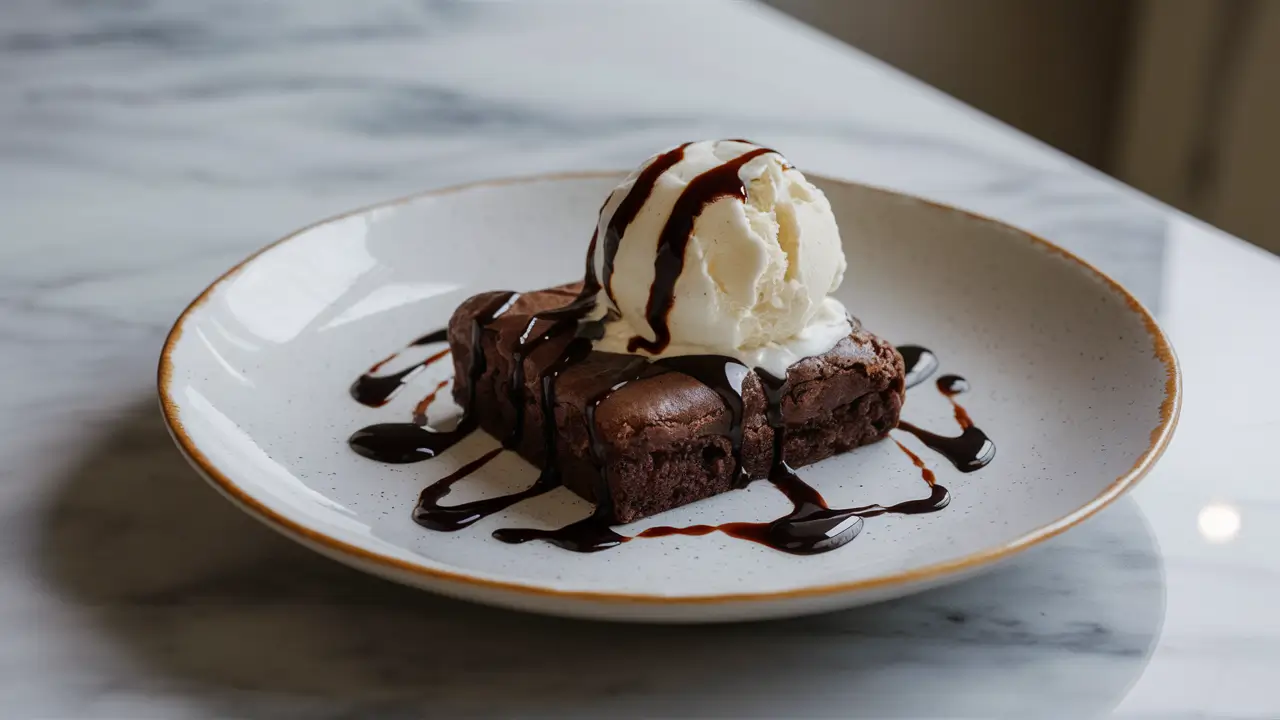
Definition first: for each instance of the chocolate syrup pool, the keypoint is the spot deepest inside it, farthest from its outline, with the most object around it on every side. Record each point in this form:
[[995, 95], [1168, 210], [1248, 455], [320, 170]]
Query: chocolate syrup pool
[[811, 527]]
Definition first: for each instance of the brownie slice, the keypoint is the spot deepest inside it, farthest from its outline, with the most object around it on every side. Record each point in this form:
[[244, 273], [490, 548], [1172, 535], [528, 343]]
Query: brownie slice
[[665, 434]]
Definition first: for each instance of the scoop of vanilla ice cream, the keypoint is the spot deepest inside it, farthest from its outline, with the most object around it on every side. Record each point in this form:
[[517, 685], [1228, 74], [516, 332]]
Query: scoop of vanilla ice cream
[[757, 270]]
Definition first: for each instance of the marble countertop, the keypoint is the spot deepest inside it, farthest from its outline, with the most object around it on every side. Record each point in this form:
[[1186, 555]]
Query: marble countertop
[[145, 147]]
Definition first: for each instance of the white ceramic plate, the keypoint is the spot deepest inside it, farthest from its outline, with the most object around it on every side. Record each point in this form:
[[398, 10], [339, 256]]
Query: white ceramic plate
[[1070, 376]]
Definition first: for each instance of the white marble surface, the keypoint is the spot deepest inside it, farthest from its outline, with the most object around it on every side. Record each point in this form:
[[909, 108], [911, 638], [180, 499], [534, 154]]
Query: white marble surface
[[146, 146]]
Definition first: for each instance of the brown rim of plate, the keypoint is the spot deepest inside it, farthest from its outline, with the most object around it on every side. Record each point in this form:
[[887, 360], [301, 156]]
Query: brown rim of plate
[[1170, 408]]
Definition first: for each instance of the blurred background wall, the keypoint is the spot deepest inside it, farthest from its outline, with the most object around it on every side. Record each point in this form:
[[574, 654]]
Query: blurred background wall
[[1180, 98]]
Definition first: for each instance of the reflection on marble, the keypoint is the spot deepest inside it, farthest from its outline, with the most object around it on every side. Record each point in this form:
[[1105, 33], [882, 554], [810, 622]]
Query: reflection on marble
[[146, 146], [1219, 522]]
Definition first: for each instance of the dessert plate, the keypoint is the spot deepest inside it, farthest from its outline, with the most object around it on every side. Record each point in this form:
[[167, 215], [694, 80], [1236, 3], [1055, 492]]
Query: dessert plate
[[1067, 373]]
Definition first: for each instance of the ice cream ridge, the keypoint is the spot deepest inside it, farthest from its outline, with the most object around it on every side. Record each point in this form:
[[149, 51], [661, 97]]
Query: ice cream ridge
[[719, 247]]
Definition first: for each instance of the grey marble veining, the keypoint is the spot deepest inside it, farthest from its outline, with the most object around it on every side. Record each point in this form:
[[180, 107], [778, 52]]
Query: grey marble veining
[[146, 146]]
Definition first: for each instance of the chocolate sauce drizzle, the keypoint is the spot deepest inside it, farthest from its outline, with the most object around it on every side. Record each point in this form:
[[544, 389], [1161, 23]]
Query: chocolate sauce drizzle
[[811, 527], [718, 182], [969, 451], [431, 514], [724, 375], [420, 410], [925, 473], [592, 533], [399, 443], [952, 385], [377, 390], [920, 363], [629, 207]]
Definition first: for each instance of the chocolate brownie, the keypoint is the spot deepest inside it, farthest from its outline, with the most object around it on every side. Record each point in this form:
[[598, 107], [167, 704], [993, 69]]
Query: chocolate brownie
[[665, 434]]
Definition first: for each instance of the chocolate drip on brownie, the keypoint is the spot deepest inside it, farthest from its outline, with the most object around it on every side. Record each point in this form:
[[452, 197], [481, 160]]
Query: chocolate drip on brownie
[[725, 376]]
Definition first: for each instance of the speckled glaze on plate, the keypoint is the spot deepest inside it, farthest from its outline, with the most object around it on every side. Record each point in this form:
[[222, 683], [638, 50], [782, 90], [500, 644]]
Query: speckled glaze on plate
[[1069, 374]]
